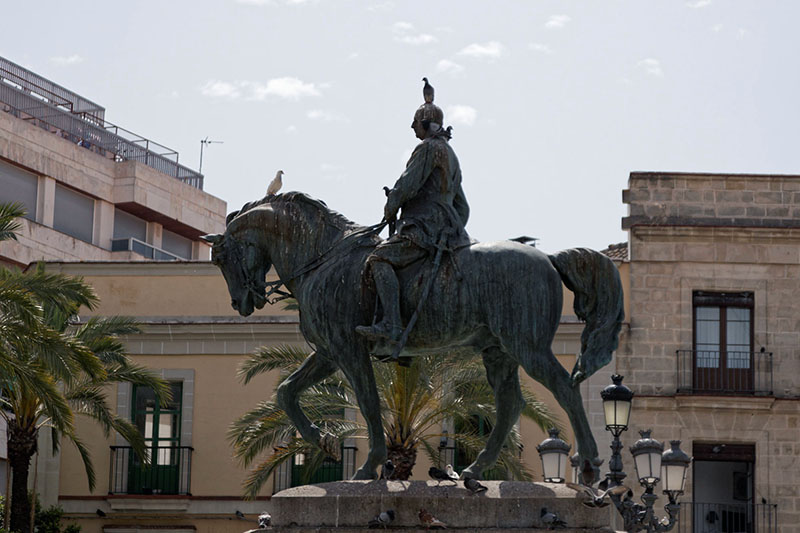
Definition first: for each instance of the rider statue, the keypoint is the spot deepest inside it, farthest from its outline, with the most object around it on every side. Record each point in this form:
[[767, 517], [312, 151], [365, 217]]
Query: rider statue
[[434, 213]]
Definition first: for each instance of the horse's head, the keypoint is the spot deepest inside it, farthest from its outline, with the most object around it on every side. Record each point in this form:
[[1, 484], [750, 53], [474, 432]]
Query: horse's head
[[244, 265]]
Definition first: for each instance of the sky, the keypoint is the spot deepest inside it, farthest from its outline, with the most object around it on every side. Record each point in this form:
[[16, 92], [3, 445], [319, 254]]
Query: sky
[[552, 103]]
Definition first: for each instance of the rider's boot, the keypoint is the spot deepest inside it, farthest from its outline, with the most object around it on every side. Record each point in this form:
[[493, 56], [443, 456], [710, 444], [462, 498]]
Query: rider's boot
[[388, 288]]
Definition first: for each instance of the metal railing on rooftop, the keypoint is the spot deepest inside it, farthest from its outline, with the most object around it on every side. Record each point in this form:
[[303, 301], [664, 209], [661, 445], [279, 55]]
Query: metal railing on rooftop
[[56, 113], [728, 518], [725, 373]]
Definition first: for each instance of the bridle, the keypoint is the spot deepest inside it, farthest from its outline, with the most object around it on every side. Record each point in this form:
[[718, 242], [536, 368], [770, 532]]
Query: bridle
[[234, 249]]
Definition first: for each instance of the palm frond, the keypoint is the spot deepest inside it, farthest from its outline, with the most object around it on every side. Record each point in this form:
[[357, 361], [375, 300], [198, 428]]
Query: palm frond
[[9, 225], [283, 357]]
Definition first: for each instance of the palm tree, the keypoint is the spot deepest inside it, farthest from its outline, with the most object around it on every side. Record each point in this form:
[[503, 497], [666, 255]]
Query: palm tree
[[415, 402], [52, 368]]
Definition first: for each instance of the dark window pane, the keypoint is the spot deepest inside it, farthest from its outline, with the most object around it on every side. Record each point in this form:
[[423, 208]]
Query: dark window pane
[[74, 214], [17, 185], [176, 244], [127, 225]]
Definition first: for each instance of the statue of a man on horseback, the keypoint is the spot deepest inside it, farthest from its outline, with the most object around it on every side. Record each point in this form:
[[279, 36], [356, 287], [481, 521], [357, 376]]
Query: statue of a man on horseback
[[434, 214], [501, 301]]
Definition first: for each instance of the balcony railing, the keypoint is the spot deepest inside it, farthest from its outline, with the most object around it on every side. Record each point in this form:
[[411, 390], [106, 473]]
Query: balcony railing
[[142, 248], [167, 471], [725, 373], [728, 518], [289, 474], [52, 108]]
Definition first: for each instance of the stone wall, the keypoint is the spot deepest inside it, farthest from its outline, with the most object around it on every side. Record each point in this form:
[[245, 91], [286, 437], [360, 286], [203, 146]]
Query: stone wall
[[691, 232]]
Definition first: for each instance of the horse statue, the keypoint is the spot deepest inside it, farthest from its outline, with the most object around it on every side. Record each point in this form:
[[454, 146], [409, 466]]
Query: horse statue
[[501, 300]]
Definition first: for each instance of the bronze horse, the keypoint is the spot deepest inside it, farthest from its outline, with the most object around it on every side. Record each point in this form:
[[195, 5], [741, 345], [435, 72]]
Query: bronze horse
[[501, 300]]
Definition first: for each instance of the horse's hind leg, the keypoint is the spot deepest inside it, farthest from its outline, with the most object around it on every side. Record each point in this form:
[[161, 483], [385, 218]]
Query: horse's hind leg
[[545, 368], [313, 370], [503, 375], [361, 377]]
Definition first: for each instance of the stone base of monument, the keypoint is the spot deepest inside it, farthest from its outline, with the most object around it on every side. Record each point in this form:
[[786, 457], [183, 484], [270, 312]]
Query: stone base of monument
[[346, 506]]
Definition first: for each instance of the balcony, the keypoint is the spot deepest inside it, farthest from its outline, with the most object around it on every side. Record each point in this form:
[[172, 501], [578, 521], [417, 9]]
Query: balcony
[[142, 248], [725, 373], [728, 518], [166, 472]]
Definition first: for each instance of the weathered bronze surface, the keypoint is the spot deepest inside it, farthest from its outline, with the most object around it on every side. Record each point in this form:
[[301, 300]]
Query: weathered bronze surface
[[500, 300]]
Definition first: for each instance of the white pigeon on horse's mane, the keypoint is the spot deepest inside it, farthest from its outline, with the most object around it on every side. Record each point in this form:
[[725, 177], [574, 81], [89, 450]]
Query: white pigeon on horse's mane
[[275, 184]]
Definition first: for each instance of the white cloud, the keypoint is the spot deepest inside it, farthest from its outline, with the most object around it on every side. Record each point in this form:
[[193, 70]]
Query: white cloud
[[489, 50], [288, 88], [651, 66], [698, 4], [462, 114], [380, 6], [331, 172], [271, 2], [402, 27], [64, 61], [716, 28], [291, 129], [404, 33], [326, 116], [557, 21], [422, 38], [353, 56], [220, 89], [450, 67], [541, 48], [742, 33]]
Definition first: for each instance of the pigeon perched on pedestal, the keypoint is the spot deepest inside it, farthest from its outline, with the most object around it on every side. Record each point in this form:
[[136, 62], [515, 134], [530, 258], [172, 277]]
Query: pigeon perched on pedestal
[[596, 497], [264, 520], [451, 473], [551, 520], [474, 486], [430, 521], [276, 184], [388, 470], [440, 475], [382, 520]]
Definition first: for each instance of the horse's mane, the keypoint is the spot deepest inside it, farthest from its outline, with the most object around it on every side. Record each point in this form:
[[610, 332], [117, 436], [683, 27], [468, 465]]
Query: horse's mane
[[331, 217]]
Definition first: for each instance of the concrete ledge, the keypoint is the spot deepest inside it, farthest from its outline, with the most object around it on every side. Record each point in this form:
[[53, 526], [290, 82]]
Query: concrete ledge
[[506, 505]]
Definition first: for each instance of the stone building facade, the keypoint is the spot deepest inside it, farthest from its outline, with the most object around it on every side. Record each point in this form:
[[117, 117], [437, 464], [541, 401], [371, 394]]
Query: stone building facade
[[712, 349]]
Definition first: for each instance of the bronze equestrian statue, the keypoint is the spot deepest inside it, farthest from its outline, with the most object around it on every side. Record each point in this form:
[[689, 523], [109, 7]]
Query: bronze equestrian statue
[[500, 300]]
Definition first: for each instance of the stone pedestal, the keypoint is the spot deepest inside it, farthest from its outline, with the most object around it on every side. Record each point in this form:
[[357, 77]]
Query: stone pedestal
[[346, 506]]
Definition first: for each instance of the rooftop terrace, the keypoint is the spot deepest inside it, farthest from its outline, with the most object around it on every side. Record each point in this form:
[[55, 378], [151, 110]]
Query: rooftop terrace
[[52, 107]]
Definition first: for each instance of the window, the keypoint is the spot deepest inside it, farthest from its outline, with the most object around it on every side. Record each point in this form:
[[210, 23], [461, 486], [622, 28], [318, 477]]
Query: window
[[127, 225], [160, 424], [74, 213], [174, 243], [16, 185], [723, 340]]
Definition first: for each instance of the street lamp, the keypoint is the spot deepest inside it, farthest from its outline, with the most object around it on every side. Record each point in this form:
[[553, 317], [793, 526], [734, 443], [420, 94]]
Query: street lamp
[[554, 453], [652, 464]]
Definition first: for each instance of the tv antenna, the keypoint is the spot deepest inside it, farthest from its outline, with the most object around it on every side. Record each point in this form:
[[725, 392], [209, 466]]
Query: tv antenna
[[203, 143]]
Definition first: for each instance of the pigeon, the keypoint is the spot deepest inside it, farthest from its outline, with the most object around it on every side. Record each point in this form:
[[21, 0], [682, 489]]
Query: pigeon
[[597, 496], [239, 514], [551, 520], [474, 486], [430, 521], [388, 470], [427, 91], [439, 475], [382, 520], [451, 473], [100, 513], [275, 184], [264, 520]]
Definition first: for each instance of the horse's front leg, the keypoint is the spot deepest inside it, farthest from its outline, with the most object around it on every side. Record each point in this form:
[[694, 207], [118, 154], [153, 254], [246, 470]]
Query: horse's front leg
[[358, 371], [503, 375], [314, 369]]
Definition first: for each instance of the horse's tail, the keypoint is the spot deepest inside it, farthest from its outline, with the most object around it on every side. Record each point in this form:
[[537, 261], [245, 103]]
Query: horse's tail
[[594, 279]]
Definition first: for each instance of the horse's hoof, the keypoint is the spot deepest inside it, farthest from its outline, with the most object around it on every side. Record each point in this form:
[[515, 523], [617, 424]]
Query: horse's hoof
[[331, 446]]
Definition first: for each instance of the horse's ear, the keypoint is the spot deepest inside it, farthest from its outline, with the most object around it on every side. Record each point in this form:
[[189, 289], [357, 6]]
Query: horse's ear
[[213, 238]]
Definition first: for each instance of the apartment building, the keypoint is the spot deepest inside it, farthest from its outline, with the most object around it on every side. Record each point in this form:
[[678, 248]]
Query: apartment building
[[712, 350]]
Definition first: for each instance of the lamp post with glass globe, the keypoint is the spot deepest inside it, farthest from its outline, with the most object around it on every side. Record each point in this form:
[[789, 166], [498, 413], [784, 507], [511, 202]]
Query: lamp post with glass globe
[[652, 464]]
